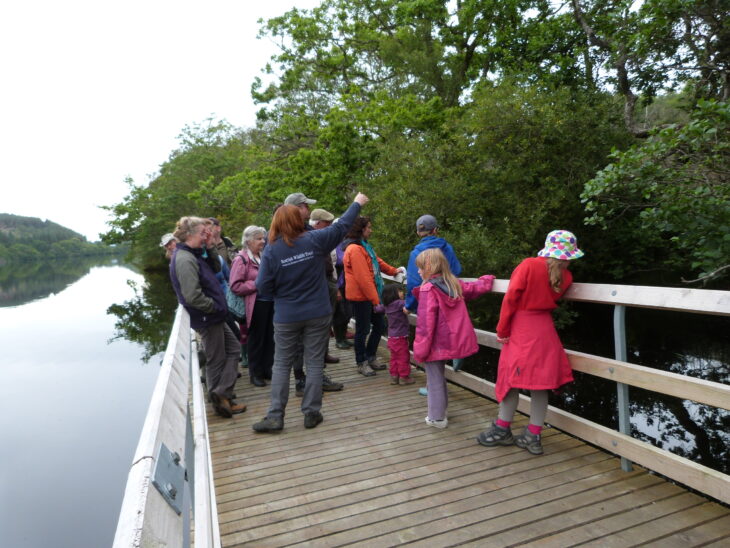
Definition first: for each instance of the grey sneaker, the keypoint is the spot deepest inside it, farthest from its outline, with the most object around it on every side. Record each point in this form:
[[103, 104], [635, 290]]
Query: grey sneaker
[[312, 419], [269, 424], [496, 435], [394, 380], [375, 365], [531, 442], [365, 370], [328, 385]]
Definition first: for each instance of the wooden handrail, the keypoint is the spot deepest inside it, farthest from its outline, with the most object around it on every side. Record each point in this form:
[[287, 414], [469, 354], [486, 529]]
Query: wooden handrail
[[671, 384], [146, 519], [700, 301]]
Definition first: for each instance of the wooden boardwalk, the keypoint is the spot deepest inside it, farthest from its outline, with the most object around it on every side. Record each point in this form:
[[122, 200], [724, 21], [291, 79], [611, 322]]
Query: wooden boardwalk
[[373, 474]]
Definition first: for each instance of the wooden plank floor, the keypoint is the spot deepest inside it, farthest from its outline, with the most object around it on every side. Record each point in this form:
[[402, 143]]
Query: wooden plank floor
[[373, 474]]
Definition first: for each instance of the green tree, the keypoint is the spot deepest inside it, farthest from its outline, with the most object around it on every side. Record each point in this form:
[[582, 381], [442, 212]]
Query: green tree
[[676, 184]]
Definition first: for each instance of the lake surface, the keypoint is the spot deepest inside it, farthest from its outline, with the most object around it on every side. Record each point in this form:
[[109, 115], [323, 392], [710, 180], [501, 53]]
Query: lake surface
[[73, 403]]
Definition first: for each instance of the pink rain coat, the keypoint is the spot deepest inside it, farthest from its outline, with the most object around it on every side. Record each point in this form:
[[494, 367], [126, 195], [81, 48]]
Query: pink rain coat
[[444, 330]]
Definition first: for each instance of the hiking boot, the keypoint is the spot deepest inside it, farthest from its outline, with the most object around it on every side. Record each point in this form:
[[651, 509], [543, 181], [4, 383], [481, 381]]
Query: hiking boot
[[407, 380], [375, 365], [269, 424], [394, 380], [496, 435], [221, 405], [531, 442], [312, 419], [330, 359], [365, 370], [237, 408], [328, 385], [299, 387], [437, 424]]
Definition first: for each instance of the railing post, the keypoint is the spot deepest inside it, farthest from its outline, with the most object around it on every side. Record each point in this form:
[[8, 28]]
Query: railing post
[[624, 413]]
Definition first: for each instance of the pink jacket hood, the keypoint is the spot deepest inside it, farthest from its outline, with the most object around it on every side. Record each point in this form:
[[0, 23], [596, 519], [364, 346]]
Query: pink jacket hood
[[444, 330]]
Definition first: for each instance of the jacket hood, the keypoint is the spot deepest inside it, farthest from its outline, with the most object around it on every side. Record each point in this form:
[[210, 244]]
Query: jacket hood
[[427, 242], [349, 241]]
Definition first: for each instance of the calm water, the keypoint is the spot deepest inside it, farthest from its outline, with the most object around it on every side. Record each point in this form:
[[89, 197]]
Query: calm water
[[73, 404]]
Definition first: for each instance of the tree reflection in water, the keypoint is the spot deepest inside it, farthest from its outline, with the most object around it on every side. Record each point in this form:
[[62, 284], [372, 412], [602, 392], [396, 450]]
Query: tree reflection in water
[[147, 318], [27, 281]]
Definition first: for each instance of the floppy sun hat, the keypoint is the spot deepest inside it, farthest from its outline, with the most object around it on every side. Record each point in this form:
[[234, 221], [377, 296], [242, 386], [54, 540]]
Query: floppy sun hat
[[561, 244]]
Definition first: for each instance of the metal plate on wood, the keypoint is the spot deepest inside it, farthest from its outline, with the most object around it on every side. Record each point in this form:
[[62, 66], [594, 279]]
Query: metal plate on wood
[[169, 477]]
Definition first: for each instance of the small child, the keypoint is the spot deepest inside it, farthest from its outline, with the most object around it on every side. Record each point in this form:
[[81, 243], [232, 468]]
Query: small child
[[443, 330], [400, 357]]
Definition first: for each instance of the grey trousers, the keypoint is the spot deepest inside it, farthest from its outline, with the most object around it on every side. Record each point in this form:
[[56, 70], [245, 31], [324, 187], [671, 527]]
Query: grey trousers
[[222, 351], [314, 336]]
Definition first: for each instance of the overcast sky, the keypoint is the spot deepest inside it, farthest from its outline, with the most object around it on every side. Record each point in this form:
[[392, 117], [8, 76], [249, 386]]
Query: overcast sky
[[92, 92]]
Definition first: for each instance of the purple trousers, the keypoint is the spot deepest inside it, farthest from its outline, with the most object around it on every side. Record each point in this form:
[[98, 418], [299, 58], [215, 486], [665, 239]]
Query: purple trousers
[[438, 397]]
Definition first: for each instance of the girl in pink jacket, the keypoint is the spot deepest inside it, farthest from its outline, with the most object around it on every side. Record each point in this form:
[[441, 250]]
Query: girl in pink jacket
[[443, 330]]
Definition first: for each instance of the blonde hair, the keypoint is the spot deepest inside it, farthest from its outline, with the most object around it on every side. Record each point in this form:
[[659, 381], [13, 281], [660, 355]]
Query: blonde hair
[[433, 263], [555, 272], [186, 226]]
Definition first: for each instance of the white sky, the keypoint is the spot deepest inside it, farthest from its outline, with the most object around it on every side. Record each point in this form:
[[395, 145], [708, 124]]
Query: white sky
[[94, 91]]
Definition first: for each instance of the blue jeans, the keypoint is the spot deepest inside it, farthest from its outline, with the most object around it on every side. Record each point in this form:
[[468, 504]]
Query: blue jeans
[[289, 338], [364, 319]]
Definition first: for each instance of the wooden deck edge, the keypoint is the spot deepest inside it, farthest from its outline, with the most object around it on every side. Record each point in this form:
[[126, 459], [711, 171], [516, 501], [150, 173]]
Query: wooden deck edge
[[707, 481]]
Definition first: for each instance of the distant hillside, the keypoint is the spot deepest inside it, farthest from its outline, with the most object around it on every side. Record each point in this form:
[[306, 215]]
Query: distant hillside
[[23, 229], [30, 238]]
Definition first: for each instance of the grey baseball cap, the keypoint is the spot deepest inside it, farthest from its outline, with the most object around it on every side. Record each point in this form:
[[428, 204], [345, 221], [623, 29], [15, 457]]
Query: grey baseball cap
[[166, 239], [426, 223], [298, 198]]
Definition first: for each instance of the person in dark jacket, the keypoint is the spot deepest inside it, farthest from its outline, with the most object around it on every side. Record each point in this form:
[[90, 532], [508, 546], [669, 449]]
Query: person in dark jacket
[[292, 271], [193, 274]]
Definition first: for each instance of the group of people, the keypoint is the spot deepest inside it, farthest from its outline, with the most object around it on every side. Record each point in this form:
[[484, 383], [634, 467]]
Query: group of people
[[310, 273]]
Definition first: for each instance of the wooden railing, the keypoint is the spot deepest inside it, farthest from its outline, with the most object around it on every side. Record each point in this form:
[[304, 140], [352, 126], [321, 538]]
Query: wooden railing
[[682, 470], [172, 455]]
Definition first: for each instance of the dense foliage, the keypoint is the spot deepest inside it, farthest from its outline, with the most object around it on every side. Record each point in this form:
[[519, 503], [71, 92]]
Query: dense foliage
[[30, 238], [505, 119]]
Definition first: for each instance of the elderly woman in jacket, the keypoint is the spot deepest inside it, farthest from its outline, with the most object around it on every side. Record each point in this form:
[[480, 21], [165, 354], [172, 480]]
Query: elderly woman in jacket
[[259, 307], [292, 271], [192, 271], [364, 289]]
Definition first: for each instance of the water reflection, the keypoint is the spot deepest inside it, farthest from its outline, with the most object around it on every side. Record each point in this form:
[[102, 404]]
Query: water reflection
[[146, 318], [24, 282]]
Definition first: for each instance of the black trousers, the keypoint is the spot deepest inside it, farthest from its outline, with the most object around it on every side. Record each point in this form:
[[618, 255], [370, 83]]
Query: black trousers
[[261, 340]]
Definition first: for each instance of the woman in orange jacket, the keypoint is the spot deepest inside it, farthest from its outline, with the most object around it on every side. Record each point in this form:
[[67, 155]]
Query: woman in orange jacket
[[364, 289]]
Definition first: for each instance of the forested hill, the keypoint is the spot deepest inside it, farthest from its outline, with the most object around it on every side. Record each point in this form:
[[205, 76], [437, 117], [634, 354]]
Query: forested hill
[[30, 238], [25, 229]]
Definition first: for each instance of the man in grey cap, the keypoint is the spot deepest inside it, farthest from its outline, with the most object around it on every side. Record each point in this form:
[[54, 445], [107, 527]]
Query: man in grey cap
[[302, 202], [169, 242], [427, 229]]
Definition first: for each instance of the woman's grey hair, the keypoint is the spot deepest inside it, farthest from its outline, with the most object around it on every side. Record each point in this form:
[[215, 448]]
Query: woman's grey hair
[[250, 232], [186, 226]]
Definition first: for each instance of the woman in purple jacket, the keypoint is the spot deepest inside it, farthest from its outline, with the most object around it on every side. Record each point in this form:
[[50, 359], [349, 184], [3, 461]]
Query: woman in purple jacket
[[259, 307]]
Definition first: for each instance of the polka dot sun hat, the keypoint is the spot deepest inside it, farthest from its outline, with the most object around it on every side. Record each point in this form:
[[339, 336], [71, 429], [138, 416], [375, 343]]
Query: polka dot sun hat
[[561, 244]]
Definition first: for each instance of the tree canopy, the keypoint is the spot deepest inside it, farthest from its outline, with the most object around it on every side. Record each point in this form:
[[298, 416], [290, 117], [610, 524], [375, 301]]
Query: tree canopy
[[505, 119]]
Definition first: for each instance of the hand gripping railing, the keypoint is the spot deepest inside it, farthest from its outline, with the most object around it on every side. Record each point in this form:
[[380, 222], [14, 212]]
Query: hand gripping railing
[[172, 455]]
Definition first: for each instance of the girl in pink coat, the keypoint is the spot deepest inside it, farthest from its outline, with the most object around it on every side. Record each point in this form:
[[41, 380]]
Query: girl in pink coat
[[443, 330]]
